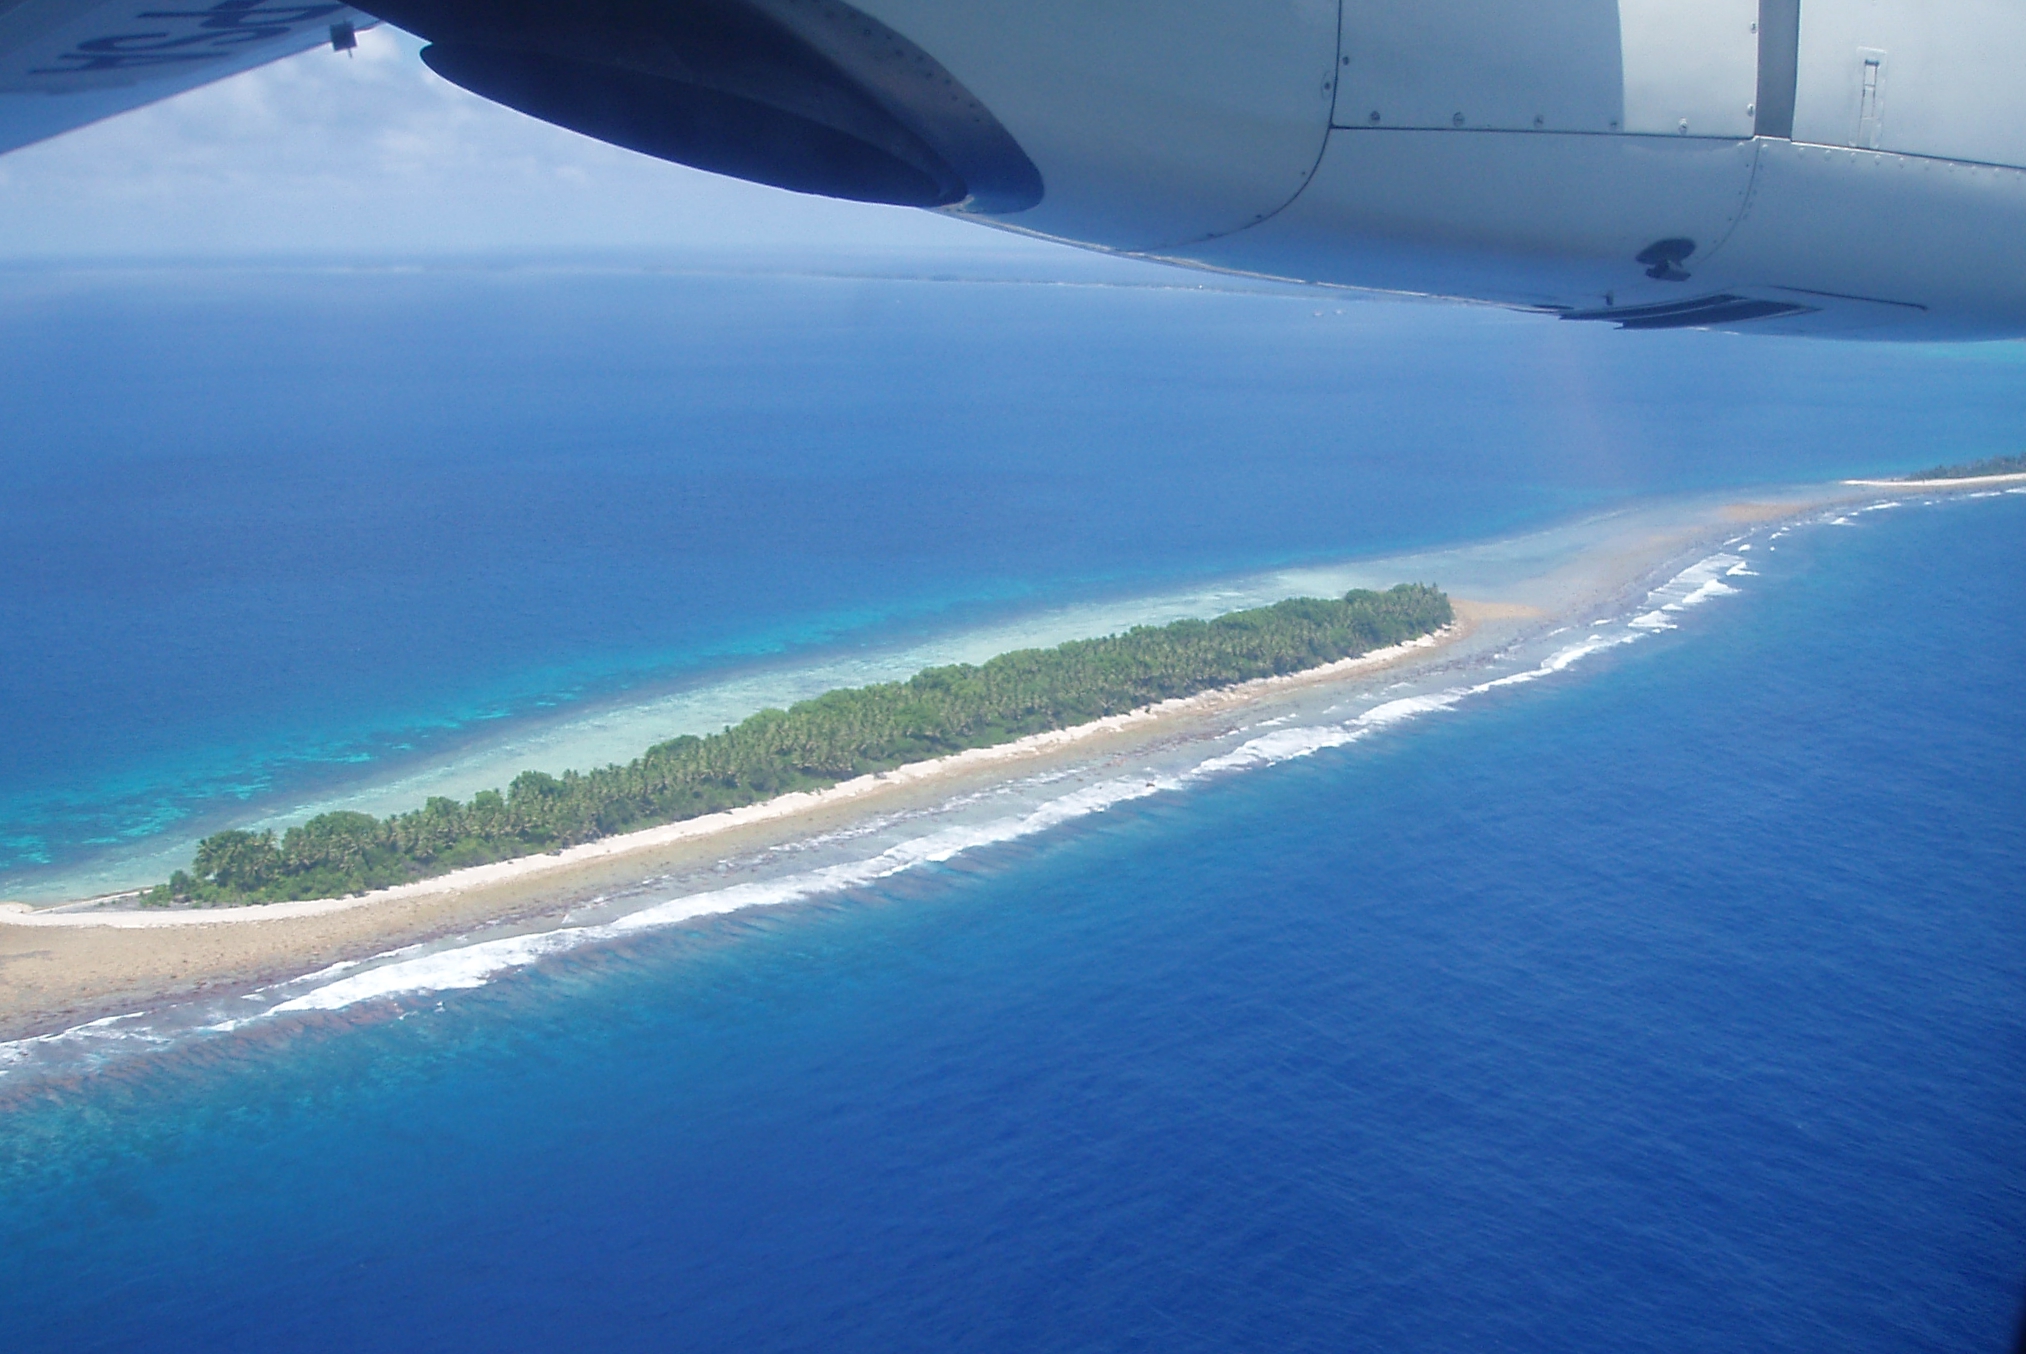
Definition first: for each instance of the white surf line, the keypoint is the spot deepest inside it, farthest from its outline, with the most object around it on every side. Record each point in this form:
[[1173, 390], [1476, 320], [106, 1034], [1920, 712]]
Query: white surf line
[[477, 964], [1848, 519], [1690, 588], [779, 807], [1964, 483]]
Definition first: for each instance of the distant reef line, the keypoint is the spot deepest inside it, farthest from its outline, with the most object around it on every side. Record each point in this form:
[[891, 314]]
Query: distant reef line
[[1990, 468], [811, 745]]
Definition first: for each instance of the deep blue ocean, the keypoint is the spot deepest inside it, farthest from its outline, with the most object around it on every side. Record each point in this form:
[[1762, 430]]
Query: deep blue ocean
[[1679, 1004]]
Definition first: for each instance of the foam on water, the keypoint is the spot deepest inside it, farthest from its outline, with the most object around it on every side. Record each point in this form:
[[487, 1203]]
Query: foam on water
[[1691, 587], [474, 965]]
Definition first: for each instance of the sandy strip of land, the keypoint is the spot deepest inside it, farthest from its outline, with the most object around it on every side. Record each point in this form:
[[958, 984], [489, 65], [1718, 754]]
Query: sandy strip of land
[[60, 968], [1971, 482]]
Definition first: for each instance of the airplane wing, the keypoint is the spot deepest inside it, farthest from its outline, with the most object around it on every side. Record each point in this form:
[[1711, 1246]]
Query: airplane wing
[[1850, 167]]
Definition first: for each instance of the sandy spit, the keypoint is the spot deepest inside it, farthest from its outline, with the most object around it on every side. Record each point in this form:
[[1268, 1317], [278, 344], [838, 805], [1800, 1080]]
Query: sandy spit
[[1971, 482]]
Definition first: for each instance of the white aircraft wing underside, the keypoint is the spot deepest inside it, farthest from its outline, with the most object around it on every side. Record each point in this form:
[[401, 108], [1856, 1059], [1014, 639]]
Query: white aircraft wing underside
[[1851, 167]]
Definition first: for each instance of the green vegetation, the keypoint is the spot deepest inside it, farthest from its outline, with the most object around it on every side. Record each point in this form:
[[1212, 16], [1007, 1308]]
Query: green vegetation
[[805, 747], [1990, 465]]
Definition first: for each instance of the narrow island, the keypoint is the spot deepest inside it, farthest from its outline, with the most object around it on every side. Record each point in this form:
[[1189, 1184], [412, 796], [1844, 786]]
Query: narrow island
[[811, 745], [1991, 467]]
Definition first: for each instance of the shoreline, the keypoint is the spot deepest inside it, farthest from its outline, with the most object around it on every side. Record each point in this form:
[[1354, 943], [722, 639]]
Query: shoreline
[[62, 969], [1961, 482]]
